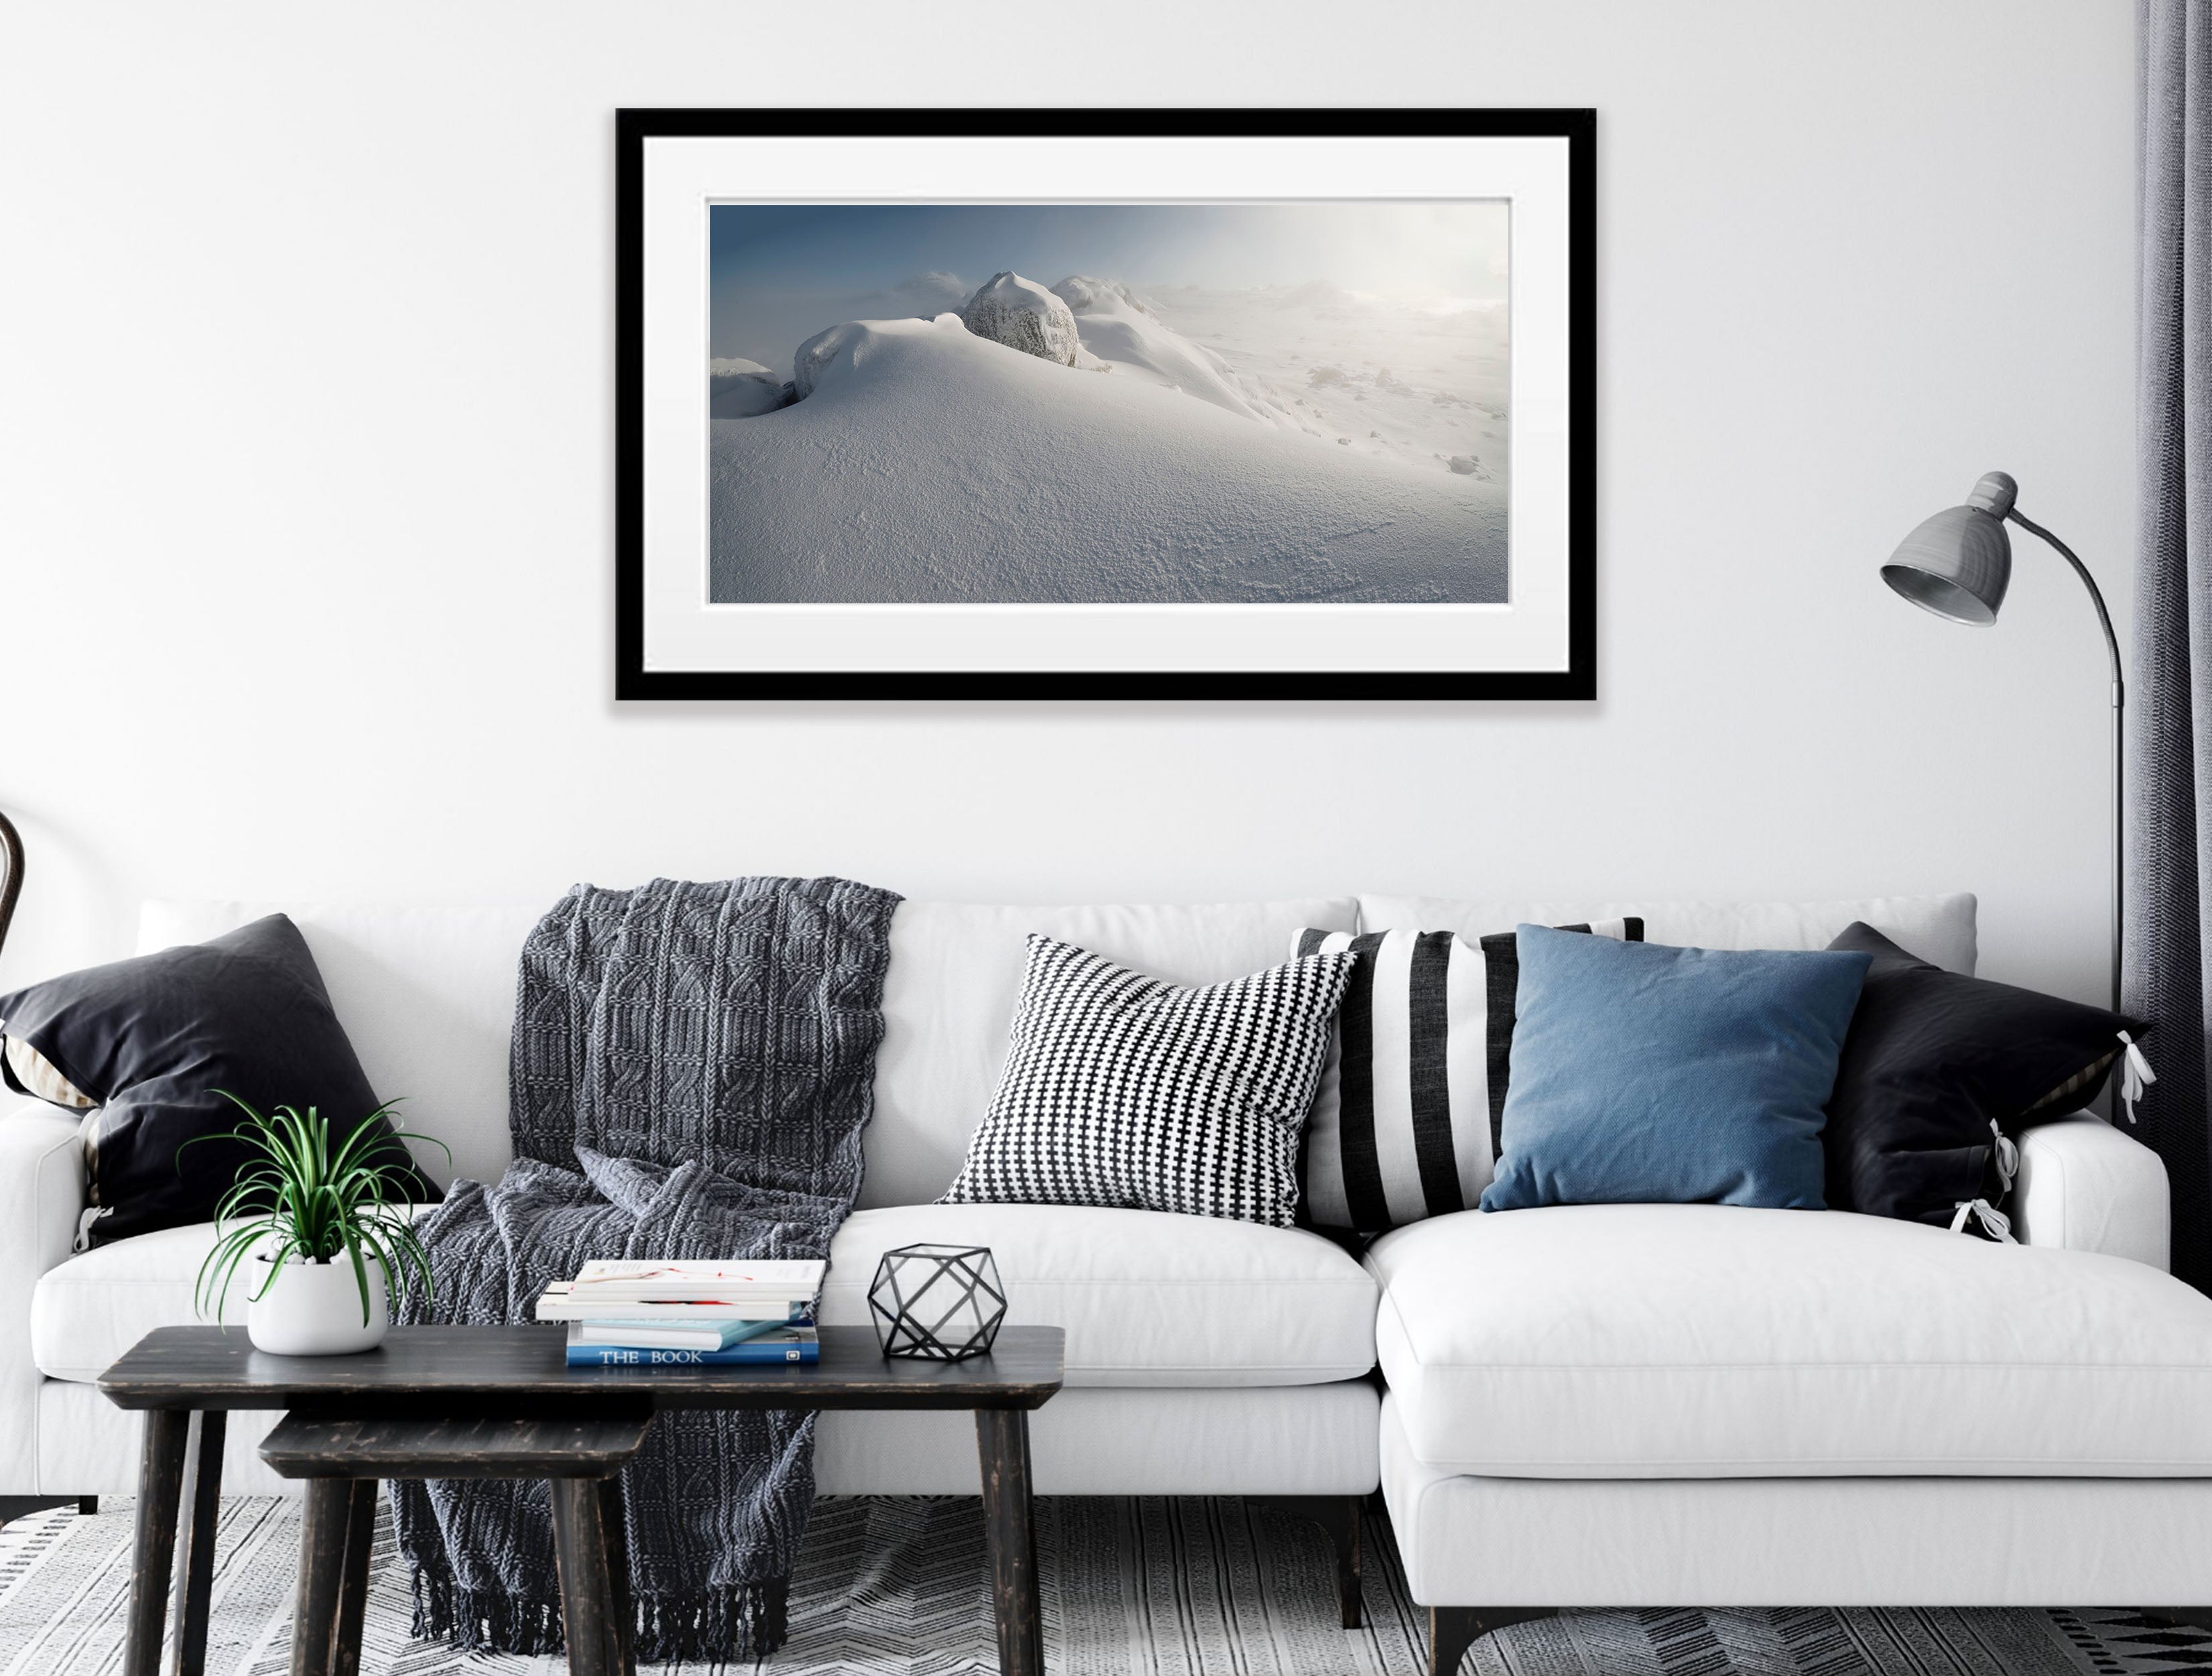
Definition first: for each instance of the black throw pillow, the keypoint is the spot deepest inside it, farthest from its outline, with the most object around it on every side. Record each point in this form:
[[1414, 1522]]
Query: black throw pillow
[[1932, 1060], [152, 1039]]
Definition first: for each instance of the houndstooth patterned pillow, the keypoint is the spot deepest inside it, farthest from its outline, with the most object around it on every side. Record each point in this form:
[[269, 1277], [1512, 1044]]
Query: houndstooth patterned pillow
[[1122, 1091]]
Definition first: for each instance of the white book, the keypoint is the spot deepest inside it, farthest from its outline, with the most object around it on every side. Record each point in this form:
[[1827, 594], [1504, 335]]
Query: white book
[[660, 1335], [683, 1281], [557, 1302]]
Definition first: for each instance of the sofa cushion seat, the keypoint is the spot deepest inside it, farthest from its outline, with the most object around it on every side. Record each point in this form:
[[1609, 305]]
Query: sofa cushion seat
[[1704, 1340], [1148, 1298], [87, 1312]]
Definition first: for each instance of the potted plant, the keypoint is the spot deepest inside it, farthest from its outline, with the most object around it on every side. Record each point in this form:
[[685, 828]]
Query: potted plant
[[326, 1228]]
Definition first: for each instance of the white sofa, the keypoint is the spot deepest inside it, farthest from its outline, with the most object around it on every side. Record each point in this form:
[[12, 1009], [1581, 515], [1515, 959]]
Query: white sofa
[[1204, 1357], [1612, 1405]]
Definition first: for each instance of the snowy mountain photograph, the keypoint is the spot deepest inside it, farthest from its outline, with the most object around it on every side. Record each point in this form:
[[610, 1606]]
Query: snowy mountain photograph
[[1109, 404]]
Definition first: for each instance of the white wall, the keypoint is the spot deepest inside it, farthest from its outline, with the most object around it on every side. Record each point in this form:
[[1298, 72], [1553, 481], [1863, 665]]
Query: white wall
[[306, 442]]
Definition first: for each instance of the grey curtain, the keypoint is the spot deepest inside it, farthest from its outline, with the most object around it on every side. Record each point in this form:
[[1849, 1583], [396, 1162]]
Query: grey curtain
[[2167, 980]]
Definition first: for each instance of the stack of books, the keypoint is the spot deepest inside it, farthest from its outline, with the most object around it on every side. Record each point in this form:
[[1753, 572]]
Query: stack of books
[[687, 1315]]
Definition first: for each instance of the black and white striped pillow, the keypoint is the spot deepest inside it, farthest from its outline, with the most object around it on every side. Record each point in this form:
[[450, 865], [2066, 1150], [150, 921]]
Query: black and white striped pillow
[[1124, 1091], [1405, 1121]]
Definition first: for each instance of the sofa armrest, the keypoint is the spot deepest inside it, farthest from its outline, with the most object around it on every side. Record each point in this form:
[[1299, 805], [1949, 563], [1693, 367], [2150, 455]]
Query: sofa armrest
[[42, 1183], [2089, 1186], [42, 1189]]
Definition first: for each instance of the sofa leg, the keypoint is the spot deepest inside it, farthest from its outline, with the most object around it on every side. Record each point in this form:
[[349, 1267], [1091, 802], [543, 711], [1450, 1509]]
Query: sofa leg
[[86, 1506], [1340, 1516], [1453, 1629]]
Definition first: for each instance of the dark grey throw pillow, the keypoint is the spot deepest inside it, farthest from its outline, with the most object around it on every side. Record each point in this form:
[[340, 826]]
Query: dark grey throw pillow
[[151, 1041], [1937, 1067]]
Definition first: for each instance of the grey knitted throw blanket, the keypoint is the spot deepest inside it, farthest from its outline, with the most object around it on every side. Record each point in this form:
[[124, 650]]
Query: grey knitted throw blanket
[[691, 1068]]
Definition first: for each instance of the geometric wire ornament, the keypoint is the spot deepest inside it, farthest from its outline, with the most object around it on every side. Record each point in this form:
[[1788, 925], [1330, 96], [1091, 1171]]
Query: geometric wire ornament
[[937, 1302]]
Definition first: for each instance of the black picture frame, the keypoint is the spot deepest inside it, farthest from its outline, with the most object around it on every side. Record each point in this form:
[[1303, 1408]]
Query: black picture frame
[[633, 681]]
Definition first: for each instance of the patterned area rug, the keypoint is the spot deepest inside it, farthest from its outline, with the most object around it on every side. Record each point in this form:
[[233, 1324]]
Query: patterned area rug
[[894, 1587]]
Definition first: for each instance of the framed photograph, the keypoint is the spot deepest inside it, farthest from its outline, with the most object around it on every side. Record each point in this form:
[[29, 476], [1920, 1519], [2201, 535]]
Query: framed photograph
[[1105, 404]]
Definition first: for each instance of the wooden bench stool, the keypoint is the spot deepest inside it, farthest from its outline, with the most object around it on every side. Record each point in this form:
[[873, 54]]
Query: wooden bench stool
[[344, 1460]]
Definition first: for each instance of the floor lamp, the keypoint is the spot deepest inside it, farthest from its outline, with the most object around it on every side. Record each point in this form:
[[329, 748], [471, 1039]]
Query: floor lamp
[[1957, 565]]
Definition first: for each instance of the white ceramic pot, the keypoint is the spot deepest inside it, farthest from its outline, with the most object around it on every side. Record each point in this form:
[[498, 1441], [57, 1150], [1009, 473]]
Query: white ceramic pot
[[315, 1308]]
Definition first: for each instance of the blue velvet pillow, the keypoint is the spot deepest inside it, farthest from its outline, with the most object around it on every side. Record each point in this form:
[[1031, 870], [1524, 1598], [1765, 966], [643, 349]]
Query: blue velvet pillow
[[1644, 1074]]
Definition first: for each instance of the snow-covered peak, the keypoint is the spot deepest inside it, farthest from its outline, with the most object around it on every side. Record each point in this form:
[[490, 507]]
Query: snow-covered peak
[[1086, 295], [1022, 315], [1121, 332], [832, 358], [740, 389], [844, 343]]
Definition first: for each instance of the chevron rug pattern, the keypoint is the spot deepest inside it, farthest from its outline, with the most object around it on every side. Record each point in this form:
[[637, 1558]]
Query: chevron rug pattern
[[894, 1587]]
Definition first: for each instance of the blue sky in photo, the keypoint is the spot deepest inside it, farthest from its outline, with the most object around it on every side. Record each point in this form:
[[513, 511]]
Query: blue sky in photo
[[781, 272], [1456, 248]]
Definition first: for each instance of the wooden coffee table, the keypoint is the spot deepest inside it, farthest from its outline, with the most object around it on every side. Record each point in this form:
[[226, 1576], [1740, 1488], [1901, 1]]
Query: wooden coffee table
[[188, 1379]]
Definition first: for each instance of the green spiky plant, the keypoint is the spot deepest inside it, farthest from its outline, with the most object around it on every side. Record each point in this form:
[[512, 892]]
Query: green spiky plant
[[300, 1197]]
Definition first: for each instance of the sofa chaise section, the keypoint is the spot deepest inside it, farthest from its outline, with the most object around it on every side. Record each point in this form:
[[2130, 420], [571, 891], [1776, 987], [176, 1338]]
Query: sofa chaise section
[[1672, 1406], [1669, 1341]]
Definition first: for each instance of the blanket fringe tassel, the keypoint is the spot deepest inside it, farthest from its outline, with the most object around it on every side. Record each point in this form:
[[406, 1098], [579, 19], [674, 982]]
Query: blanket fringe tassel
[[729, 1623]]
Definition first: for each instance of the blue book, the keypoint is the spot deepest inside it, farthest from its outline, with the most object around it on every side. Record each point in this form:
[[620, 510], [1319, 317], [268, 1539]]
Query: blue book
[[785, 1344]]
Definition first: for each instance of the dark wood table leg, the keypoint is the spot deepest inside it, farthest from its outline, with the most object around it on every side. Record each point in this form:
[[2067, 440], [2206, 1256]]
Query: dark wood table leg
[[579, 1550], [161, 1484], [1002, 1442], [323, 1530], [203, 1499], [620, 1607], [353, 1580]]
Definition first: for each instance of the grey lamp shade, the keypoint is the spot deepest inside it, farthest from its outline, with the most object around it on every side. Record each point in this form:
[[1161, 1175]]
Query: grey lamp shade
[[1958, 563]]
